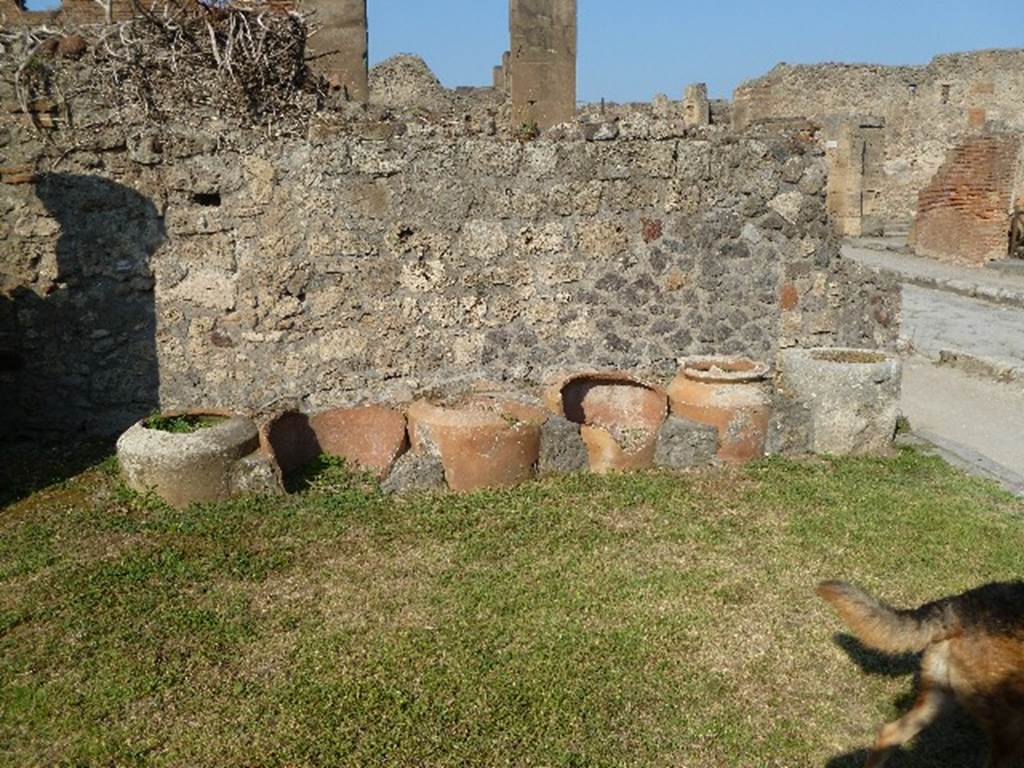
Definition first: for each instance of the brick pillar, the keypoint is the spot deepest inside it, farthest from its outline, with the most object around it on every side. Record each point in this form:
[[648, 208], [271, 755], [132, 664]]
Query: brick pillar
[[543, 61], [696, 107], [343, 38], [964, 214]]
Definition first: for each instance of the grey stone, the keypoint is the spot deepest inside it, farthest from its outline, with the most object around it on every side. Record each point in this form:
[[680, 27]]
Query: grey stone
[[145, 150], [562, 449], [186, 468], [683, 443], [256, 475], [852, 396], [405, 81], [600, 131], [415, 471]]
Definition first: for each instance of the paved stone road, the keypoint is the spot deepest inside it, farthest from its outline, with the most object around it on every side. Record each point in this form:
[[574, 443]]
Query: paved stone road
[[979, 422], [975, 422], [938, 320], [891, 256]]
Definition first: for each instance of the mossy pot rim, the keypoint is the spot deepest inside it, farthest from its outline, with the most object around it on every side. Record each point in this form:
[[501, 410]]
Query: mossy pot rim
[[214, 417], [478, 412]]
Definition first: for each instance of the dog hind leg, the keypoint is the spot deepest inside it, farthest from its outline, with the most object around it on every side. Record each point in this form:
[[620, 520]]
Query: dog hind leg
[[927, 707]]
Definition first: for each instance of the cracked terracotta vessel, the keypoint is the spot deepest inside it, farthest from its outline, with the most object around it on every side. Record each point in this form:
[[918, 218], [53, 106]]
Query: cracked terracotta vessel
[[727, 393], [370, 437], [483, 442], [619, 417]]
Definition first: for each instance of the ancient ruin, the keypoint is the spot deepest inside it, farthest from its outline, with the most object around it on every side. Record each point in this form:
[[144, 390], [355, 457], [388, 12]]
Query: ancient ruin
[[890, 130], [341, 45], [542, 65], [286, 241]]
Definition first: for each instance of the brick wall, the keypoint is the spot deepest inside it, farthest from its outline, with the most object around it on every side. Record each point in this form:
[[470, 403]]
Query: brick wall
[[964, 212]]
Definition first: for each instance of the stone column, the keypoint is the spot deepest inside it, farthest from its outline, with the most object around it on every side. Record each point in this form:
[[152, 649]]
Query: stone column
[[696, 107], [543, 61], [854, 153], [501, 74], [343, 41]]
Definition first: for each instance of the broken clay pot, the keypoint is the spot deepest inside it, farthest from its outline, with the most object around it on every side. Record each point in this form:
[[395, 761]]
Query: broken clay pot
[[483, 442], [290, 441], [370, 437], [727, 393], [619, 417]]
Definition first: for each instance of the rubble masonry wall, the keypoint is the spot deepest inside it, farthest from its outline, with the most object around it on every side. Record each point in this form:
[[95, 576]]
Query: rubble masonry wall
[[183, 265], [926, 111]]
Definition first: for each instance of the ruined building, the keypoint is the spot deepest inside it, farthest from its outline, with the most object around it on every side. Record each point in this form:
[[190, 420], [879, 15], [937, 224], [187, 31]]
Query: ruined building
[[932, 151], [236, 243]]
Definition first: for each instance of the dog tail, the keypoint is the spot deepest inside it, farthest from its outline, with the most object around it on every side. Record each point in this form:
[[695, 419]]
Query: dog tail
[[882, 627]]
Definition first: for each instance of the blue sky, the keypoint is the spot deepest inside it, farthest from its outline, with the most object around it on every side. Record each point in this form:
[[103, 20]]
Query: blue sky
[[630, 50]]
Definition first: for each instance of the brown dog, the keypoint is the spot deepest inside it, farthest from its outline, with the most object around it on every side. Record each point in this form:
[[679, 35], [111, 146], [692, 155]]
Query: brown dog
[[973, 652]]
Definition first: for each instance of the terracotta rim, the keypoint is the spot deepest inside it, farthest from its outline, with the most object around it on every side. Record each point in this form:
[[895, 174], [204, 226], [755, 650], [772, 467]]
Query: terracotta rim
[[723, 369], [554, 392], [478, 412], [849, 356]]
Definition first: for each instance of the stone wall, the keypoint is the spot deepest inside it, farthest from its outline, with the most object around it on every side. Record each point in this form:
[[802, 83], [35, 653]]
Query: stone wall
[[186, 263], [925, 111], [963, 213], [855, 155]]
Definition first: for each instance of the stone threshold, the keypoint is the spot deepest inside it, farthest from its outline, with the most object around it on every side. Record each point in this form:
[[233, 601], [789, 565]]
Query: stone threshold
[[1003, 285]]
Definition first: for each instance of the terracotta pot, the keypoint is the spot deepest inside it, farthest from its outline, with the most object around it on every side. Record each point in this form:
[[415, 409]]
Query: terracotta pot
[[370, 437], [483, 442], [619, 417], [727, 393]]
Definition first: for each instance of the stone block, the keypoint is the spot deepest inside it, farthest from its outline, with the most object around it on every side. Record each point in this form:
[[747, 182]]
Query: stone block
[[256, 475], [696, 107], [414, 472], [562, 449], [543, 61], [683, 443], [342, 40]]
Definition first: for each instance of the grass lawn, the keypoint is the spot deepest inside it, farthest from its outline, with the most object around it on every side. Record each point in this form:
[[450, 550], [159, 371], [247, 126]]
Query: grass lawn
[[647, 620]]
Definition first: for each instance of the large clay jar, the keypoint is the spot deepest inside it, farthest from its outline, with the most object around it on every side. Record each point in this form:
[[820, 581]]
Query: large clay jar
[[727, 393], [619, 417], [370, 437], [483, 442]]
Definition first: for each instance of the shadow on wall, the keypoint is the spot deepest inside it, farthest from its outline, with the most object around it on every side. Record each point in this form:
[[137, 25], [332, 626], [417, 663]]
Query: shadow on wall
[[953, 740], [81, 360]]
